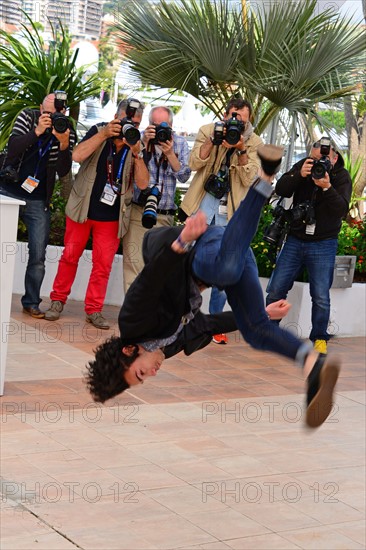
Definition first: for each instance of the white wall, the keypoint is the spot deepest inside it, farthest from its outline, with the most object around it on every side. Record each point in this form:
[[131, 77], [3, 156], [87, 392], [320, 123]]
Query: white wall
[[348, 315]]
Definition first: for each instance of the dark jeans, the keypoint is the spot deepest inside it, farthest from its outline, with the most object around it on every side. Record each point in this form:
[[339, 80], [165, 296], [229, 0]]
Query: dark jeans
[[318, 258], [37, 221], [223, 257]]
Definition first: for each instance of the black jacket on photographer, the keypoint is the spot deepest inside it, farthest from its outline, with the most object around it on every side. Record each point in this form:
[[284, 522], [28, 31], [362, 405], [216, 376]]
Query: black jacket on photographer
[[330, 206], [26, 150]]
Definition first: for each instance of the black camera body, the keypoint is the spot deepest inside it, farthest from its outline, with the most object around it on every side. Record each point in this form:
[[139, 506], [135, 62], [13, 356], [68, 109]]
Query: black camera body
[[303, 212], [323, 165], [9, 175], [217, 185], [128, 128], [60, 122], [320, 167], [163, 133], [234, 129], [149, 198]]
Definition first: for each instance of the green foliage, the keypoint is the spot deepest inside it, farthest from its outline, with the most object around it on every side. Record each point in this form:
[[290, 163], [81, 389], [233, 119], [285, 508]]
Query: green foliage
[[334, 119], [265, 254], [28, 72], [288, 56], [352, 242]]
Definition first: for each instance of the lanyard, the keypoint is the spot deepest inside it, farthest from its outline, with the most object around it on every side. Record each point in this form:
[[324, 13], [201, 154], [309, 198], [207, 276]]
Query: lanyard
[[158, 162], [116, 184], [42, 153]]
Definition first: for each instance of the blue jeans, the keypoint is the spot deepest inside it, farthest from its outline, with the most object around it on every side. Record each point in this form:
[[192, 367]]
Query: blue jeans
[[37, 221], [223, 258], [217, 300], [318, 257]]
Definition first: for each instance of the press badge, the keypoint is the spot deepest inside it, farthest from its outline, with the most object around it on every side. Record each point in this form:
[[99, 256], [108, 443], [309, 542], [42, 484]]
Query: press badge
[[223, 207], [108, 195], [310, 229], [30, 184]]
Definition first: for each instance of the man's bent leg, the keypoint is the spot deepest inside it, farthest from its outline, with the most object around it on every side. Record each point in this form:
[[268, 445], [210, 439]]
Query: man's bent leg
[[247, 303], [222, 263]]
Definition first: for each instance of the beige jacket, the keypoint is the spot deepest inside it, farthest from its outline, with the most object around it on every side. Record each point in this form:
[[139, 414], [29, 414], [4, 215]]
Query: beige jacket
[[240, 176], [78, 204]]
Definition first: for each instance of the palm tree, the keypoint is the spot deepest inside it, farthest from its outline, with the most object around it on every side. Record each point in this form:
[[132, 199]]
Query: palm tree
[[28, 72], [285, 57]]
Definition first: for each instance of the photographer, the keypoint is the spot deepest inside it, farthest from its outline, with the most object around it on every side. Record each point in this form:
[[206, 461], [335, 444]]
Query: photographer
[[161, 315], [99, 204], [40, 145], [320, 186], [225, 158], [167, 157]]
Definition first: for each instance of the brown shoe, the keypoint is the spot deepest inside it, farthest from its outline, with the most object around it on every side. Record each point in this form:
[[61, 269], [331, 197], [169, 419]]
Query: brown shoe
[[53, 313], [320, 392], [34, 312], [97, 320]]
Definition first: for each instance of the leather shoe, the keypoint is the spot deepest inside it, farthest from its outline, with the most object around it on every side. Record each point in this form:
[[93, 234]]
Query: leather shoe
[[321, 383], [97, 320], [34, 312]]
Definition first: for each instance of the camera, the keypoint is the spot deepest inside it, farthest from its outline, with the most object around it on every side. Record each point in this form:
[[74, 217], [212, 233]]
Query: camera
[[218, 133], [283, 219], [217, 185], [234, 129], [323, 165], [150, 212], [9, 175], [128, 128], [163, 133], [60, 122]]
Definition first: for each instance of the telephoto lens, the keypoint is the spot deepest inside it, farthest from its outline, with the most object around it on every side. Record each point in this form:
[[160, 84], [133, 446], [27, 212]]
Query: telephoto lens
[[150, 213]]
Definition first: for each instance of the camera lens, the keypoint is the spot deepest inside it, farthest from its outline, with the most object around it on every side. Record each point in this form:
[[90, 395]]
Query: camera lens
[[60, 122], [232, 135], [131, 133], [150, 213], [318, 170]]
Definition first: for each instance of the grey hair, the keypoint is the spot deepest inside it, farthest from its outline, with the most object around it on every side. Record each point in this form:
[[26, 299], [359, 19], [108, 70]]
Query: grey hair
[[167, 109]]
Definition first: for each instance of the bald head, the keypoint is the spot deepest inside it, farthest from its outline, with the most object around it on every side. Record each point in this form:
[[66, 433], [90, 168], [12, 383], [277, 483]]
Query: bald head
[[48, 104]]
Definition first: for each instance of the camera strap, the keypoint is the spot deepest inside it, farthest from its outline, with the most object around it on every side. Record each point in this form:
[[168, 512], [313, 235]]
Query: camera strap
[[116, 184], [43, 148]]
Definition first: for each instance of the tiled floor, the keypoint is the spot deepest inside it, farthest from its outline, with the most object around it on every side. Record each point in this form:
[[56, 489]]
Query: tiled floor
[[211, 454]]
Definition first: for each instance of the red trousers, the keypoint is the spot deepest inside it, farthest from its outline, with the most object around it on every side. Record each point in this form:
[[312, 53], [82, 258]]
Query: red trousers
[[105, 245]]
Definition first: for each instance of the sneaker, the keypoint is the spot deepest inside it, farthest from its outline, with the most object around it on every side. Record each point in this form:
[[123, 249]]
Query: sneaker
[[321, 383], [53, 313], [97, 320], [34, 312], [220, 339], [320, 346]]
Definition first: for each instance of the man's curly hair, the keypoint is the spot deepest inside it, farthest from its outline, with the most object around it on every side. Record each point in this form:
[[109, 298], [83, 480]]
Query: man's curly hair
[[105, 375]]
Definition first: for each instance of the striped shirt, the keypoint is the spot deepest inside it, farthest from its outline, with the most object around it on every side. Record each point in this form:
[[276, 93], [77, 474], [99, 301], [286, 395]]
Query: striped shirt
[[164, 176]]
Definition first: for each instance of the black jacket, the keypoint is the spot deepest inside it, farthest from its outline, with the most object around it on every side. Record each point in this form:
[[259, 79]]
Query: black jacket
[[158, 298], [330, 206]]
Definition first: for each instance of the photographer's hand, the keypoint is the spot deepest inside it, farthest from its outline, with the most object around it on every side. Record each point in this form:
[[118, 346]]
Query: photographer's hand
[[323, 183], [44, 122], [168, 151], [306, 168], [149, 133], [112, 129], [63, 138]]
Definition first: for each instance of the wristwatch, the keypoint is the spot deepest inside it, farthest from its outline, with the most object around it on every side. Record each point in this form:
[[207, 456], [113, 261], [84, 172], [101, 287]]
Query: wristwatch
[[242, 152], [139, 155]]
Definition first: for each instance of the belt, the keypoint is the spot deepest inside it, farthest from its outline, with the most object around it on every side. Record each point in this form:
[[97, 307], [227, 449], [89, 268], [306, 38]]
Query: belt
[[169, 212]]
